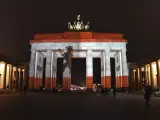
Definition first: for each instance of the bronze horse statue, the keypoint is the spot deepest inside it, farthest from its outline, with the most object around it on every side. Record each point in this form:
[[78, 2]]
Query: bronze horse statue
[[67, 57]]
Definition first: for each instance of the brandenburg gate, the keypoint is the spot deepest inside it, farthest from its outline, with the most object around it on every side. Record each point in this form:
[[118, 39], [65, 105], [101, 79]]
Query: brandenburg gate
[[85, 44]]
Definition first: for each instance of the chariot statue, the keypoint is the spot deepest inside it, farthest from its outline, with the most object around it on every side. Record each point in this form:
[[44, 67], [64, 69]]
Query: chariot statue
[[67, 54], [79, 25]]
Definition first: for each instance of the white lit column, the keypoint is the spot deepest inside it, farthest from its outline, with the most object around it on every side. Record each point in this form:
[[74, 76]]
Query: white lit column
[[107, 69], [54, 68], [31, 70], [35, 83], [124, 68], [10, 78], [141, 79], [158, 74], [5, 74], [103, 69], [89, 70], [151, 75], [48, 79], [146, 74]]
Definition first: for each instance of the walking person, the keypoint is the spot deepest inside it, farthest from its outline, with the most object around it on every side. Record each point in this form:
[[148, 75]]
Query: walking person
[[125, 91], [114, 93], [147, 95], [98, 90]]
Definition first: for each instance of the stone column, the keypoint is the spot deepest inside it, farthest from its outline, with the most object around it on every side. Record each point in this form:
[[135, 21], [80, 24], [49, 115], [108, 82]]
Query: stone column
[[103, 69], [35, 83], [31, 69], [38, 69], [151, 75], [16, 79], [21, 79], [25, 75], [54, 69], [158, 74], [66, 79], [124, 69], [4, 78], [146, 75], [107, 69], [138, 79], [118, 69], [132, 80], [89, 70], [11, 76], [48, 79], [141, 79]]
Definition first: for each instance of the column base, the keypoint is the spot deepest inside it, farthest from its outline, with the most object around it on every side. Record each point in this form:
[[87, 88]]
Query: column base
[[122, 81], [89, 82], [106, 81], [125, 81], [66, 83], [37, 83], [31, 83], [118, 81], [48, 83], [54, 82]]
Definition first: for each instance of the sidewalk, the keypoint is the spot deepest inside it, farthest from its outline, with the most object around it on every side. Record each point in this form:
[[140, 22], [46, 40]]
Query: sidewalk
[[8, 91], [142, 93]]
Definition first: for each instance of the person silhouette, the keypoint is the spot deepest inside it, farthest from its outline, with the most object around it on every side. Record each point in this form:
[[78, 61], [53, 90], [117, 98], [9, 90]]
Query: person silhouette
[[114, 93], [148, 93]]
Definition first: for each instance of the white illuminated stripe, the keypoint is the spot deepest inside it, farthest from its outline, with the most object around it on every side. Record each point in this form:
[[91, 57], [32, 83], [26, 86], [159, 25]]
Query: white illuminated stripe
[[51, 68], [104, 64], [121, 63], [121, 70], [35, 75]]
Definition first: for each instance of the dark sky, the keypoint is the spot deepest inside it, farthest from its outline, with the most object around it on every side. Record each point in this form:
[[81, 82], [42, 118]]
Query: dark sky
[[138, 20]]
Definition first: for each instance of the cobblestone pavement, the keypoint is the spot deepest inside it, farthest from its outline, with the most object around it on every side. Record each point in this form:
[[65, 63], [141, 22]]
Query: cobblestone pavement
[[71, 106]]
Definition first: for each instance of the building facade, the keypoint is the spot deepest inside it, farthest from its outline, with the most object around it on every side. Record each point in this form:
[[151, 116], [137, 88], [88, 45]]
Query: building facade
[[12, 76], [86, 45], [147, 73]]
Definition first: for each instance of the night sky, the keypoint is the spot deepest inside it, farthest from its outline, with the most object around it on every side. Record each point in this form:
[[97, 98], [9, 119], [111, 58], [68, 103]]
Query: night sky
[[138, 20]]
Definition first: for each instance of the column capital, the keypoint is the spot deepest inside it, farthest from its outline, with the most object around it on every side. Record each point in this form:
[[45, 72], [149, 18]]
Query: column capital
[[124, 50], [107, 50], [49, 50], [33, 50], [89, 52]]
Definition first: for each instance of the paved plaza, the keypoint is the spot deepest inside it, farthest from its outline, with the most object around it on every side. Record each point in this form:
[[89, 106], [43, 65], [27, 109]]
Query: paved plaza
[[72, 106]]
